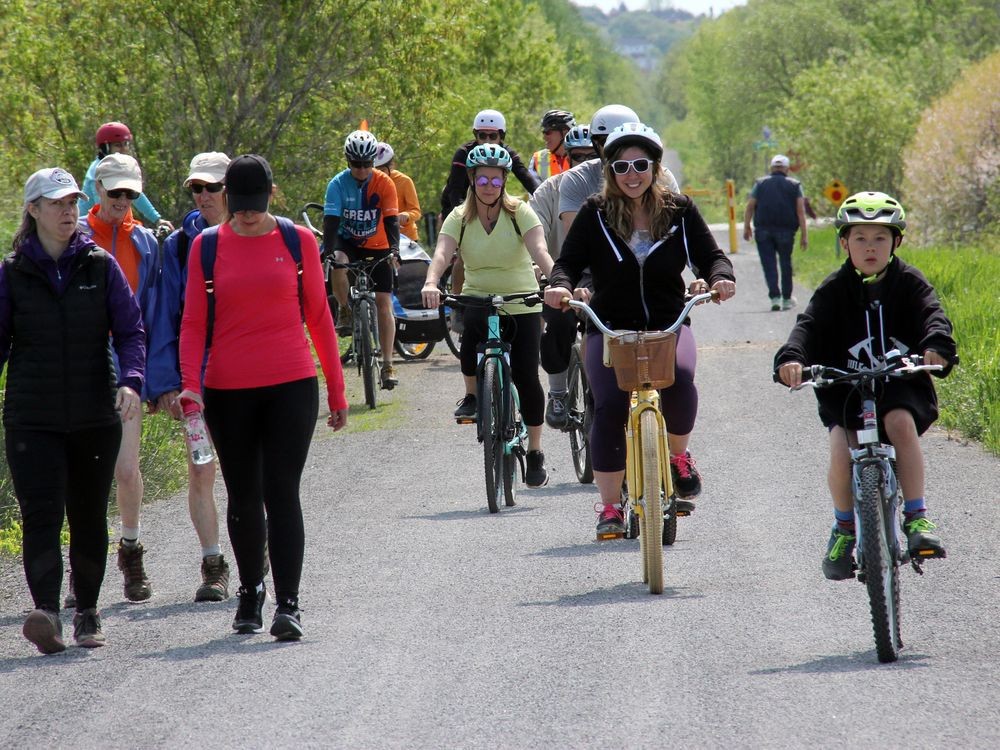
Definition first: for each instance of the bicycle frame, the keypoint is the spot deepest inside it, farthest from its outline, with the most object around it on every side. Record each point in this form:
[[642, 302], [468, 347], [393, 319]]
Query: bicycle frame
[[515, 432]]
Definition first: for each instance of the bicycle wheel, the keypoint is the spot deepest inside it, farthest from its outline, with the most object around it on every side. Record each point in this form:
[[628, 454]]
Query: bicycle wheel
[[670, 522], [880, 569], [451, 337], [491, 425], [511, 458], [579, 407], [420, 350], [365, 350], [651, 521]]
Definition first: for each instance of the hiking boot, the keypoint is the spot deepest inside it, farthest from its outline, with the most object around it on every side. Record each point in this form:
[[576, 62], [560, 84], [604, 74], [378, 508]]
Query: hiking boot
[[87, 629], [838, 562], [137, 586], [214, 580], [920, 541], [345, 322], [775, 304], [287, 622], [610, 521], [788, 303], [44, 628], [555, 410], [249, 618], [389, 379], [70, 601], [466, 411], [536, 476], [687, 480]]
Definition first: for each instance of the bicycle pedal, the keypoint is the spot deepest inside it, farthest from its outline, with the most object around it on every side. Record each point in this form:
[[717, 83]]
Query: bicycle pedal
[[928, 554], [465, 420], [607, 536]]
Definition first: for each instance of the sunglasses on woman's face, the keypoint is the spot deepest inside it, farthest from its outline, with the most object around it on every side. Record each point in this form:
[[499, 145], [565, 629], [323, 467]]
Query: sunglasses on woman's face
[[122, 193], [484, 181], [487, 135], [212, 187], [621, 166]]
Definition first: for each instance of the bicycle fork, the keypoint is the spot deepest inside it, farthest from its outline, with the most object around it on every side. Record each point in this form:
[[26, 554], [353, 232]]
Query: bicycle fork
[[639, 501]]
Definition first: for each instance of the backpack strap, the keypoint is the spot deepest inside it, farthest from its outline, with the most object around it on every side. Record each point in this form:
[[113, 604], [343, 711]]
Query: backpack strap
[[294, 244], [183, 245], [209, 244]]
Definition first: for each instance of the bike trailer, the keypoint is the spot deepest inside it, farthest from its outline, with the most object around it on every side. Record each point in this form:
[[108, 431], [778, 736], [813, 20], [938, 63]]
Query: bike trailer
[[415, 324]]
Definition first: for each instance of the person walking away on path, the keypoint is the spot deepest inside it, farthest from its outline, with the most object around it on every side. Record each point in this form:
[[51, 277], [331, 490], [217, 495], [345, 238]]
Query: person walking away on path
[[498, 237], [260, 392], [552, 159], [111, 225], [60, 295], [116, 138], [406, 191], [205, 181], [874, 303], [777, 207], [636, 238]]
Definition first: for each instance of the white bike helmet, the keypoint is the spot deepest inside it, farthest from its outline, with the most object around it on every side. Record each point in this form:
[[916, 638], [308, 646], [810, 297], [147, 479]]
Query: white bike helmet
[[360, 146], [489, 119], [634, 134], [610, 117], [384, 154]]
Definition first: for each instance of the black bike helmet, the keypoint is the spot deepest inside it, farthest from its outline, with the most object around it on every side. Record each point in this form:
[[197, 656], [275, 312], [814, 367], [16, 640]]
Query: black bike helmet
[[558, 119]]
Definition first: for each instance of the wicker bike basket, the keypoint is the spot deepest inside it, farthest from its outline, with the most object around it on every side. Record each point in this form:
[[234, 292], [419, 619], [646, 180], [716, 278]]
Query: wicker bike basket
[[643, 360]]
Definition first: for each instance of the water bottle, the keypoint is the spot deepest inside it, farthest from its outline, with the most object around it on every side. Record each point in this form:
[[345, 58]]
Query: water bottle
[[198, 443]]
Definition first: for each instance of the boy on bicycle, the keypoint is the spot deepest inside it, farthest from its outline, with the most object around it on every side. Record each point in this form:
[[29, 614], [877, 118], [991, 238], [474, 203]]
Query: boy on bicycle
[[873, 304]]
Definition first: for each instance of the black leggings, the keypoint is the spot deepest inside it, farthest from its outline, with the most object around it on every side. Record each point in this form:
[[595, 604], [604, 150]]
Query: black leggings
[[57, 473], [262, 438], [557, 339], [523, 333]]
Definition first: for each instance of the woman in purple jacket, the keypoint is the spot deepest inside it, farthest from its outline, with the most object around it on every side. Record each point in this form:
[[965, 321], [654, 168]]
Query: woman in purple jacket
[[60, 295]]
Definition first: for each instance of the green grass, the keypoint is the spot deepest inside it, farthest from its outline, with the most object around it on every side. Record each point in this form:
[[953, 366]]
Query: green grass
[[967, 280]]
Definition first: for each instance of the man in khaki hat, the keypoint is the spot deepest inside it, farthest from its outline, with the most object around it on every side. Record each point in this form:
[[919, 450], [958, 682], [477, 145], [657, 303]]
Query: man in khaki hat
[[112, 226], [205, 181]]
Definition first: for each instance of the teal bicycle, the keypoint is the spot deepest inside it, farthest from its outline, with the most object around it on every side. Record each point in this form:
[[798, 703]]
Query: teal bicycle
[[499, 426]]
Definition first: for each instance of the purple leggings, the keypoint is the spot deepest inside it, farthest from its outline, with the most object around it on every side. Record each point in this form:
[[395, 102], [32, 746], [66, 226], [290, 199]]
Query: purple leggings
[[679, 402]]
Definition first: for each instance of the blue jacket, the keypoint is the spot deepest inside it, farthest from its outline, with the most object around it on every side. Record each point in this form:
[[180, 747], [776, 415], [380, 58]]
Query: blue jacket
[[163, 372]]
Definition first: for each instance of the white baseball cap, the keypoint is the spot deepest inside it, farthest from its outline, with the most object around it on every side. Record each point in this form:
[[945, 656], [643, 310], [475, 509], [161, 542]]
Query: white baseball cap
[[117, 171], [780, 160], [52, 183], [209, 167]]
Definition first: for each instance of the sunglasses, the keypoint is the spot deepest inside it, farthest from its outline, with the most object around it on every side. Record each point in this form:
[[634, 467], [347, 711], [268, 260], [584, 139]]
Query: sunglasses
[[122, 193], [578, 157], [484, 181], [621, 166], [212, 187], [483, 135], [361, 164]]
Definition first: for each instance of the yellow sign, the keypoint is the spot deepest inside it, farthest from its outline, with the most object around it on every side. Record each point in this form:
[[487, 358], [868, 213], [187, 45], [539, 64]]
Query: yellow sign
[[836, 192]]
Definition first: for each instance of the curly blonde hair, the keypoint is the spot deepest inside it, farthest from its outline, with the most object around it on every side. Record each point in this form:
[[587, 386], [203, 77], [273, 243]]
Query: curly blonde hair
[[658, 202]]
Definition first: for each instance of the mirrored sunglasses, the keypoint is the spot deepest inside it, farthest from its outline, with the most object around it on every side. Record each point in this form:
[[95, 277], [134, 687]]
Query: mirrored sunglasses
[[621, 166], [212, 187], [484, 181], [122, 193]]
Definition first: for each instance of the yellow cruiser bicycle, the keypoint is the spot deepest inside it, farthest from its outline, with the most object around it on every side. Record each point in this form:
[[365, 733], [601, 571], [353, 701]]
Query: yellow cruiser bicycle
[[644, 363]]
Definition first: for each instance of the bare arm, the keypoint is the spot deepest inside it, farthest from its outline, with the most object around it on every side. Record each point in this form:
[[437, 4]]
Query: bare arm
[[800, 211], [534, 241], [747, 218], [444, 251]]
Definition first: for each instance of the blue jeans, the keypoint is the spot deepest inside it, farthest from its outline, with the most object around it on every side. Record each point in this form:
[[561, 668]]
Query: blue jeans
[[775, 249]]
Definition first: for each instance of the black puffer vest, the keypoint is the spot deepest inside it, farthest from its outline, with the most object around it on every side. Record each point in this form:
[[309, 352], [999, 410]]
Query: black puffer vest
[[60, 374]]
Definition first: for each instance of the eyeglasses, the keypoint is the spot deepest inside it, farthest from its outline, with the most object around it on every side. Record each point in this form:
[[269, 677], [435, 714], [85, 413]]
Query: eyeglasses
[[484, 181], [578, 157], [487, 135], [639, 165], [212, 187], [361, 164], [122, 193]]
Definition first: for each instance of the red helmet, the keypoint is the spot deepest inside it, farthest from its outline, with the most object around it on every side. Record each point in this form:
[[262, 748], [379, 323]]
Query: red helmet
[[113, 132]]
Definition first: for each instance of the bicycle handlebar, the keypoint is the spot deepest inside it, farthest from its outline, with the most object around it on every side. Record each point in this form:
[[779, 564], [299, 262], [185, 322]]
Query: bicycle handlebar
[[895, 365], [693, 300], [361, 263], [529, 299], [308, 223]]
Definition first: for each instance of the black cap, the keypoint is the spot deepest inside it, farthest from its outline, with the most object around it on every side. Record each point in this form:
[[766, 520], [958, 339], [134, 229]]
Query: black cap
[[248, 183]]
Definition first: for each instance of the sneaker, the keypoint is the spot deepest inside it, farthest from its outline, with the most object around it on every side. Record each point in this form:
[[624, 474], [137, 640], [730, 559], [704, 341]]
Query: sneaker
[[775, 304], [347, 357], [536, 476], [838, 562], [788, 303], [287, 622], [70, 601], [137, 586], [610, 521], [44, 628], [87, 629], [345, 322], [687, 480], [214, 580], [389, 379], [249, 618], [555, 410], [919, 539], [466, 411]]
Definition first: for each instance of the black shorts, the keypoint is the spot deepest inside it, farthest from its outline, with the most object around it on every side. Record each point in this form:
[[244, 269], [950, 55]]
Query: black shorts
[[841, 406], [382, 274]]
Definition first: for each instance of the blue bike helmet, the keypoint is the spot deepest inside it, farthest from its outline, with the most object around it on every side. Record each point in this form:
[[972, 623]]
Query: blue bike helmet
[[488, 155], [578, 137]]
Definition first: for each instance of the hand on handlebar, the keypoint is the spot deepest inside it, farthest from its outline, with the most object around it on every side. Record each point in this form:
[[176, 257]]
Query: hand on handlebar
[[790, 374], [931, 357], [431, 295], [556, 296]]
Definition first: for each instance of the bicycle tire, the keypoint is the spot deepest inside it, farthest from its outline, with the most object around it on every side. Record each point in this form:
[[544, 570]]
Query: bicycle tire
[[368, 361], [420, 350], [670, 522], [511, 462], [452, 338], [579, 408], [491, 420], [651, 521], [881, 570]]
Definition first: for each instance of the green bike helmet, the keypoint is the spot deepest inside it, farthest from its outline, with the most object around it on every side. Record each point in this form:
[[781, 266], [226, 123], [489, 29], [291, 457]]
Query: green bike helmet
[[488, 155], [871, 208]]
